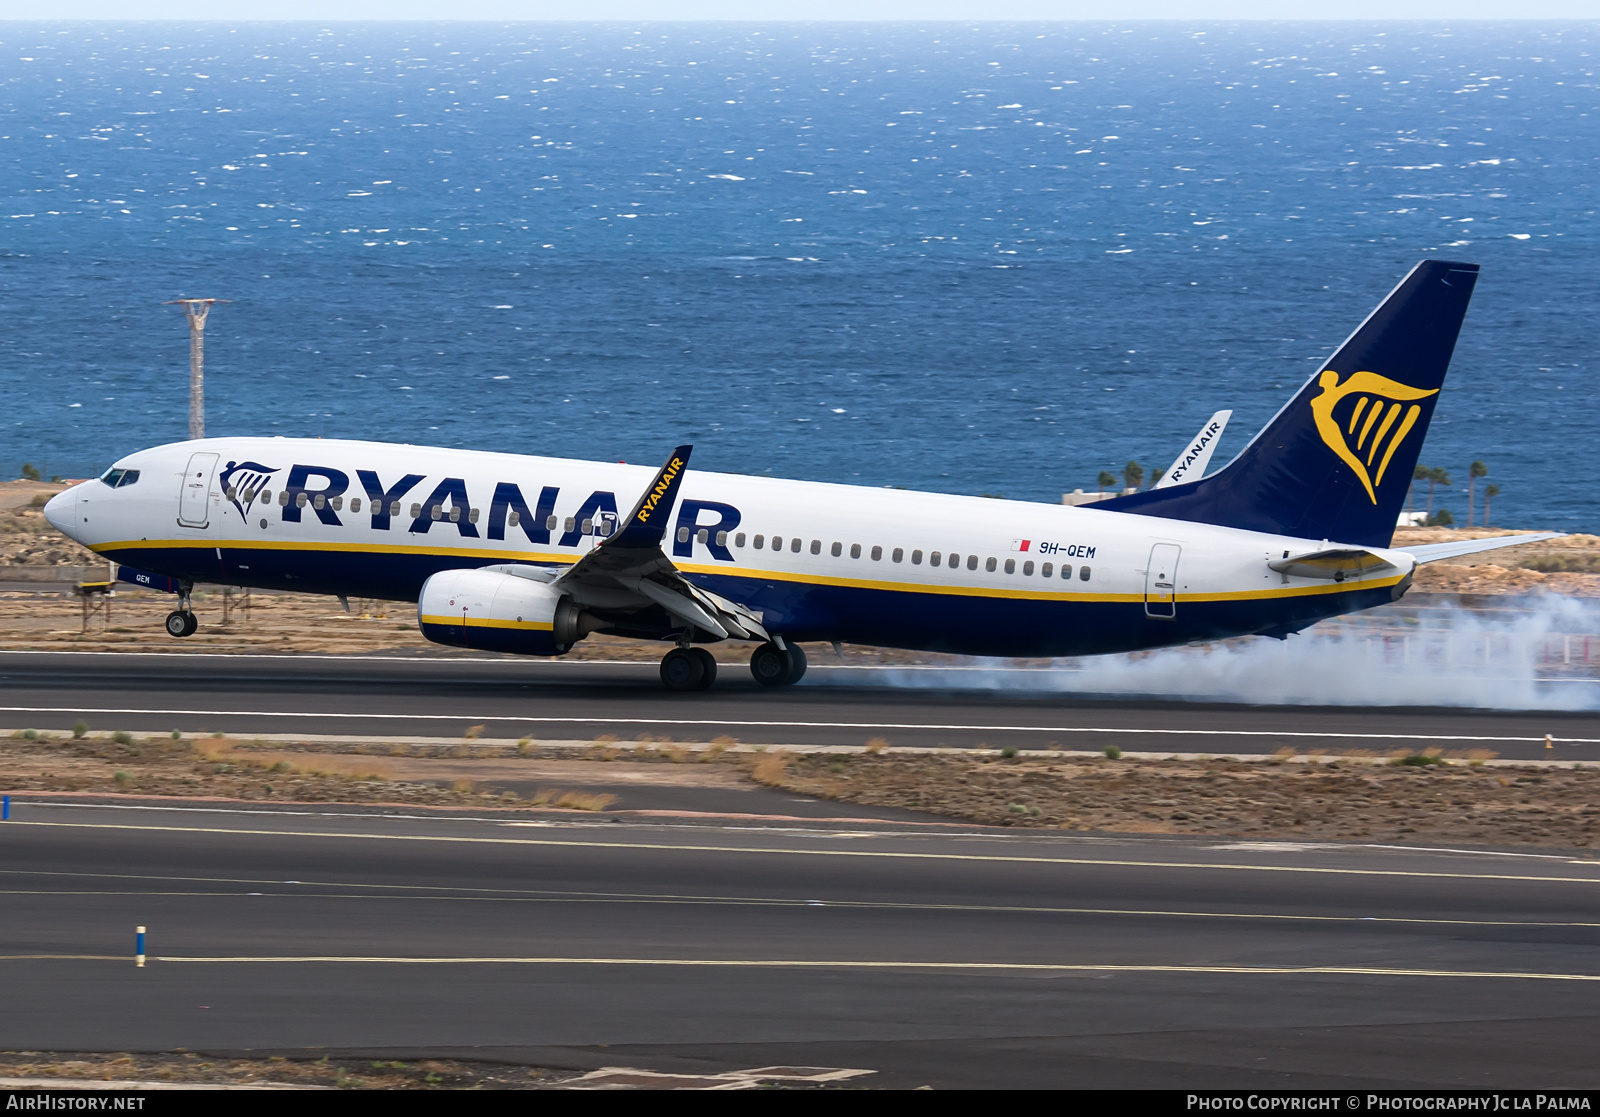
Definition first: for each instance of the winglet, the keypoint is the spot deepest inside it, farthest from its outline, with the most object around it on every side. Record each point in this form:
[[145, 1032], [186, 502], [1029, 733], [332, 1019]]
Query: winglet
[[647, 522]]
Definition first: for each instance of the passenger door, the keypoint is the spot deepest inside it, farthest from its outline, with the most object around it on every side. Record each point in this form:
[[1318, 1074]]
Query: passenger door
[[1161, 582], [193, 508]]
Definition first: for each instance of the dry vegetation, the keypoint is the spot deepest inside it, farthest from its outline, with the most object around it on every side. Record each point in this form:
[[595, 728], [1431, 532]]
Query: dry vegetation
[[327, 1073], [1328, 798]]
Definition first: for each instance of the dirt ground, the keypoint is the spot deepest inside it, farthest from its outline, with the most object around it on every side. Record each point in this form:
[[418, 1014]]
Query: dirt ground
[[1330, 797], [326, 1073]]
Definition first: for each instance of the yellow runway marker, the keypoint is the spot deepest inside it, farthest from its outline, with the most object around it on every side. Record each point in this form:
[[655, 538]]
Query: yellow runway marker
[[855, 853]]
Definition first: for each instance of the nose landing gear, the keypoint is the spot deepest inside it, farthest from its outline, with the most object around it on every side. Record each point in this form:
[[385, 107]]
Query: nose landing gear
[[182, 621]]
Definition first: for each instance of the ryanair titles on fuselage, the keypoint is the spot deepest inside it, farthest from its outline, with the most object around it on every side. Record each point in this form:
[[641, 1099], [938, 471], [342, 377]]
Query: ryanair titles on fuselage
[[325, 492]]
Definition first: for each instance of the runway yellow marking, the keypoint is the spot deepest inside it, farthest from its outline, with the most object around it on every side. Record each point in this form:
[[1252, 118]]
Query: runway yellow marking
[[775, 852], [836, 964], [601, 719]]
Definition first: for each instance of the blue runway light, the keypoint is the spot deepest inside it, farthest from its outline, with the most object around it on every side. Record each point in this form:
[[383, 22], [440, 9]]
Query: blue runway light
[[5, 808], [138, 947]]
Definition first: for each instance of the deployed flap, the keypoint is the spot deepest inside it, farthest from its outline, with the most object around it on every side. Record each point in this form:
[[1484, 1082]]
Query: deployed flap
[[629, 570], [1337, 564], [1433, 552], [1191, 464]]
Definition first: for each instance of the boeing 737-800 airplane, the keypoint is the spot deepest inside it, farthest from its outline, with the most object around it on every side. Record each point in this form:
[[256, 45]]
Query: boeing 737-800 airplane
[[529, 555]]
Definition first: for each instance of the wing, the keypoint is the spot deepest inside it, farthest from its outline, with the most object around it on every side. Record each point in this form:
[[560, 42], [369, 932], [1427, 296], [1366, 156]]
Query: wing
[[628, 573], [1191, 464]]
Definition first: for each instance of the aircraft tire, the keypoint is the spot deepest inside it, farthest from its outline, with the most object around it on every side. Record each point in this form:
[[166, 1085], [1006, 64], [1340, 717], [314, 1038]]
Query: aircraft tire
[[772, 666], [708, 668], [180, 623], [682, 670], [797, 664]]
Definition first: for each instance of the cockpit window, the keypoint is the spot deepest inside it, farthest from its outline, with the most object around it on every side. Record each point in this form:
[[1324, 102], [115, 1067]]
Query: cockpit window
[[120, 478]]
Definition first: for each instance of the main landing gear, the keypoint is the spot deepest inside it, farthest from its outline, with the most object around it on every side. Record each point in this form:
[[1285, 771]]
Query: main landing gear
[[688, 669], [775, 666], [694, 669], [182, 621]]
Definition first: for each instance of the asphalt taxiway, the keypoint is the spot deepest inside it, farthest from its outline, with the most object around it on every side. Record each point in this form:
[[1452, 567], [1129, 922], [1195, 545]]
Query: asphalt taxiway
[[945, 957], [441, 696]]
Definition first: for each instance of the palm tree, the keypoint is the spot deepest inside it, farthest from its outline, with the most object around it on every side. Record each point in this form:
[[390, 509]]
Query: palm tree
[[1133, 474], [1418, 474], [1474, 471], [1106, 480], [1489, 493], [1435, 477]]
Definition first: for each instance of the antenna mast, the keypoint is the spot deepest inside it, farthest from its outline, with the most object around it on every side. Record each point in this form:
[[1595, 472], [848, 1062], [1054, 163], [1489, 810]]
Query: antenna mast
[[196, 310]]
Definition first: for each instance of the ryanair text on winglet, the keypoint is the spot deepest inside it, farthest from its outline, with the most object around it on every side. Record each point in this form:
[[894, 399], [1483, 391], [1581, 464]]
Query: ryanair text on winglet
[[662, 485]]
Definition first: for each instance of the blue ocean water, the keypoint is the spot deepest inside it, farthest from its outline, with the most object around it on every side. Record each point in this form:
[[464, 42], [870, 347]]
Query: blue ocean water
[[980, 259]]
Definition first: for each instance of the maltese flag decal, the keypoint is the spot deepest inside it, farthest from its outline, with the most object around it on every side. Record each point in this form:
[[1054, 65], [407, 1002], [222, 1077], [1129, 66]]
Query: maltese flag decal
[[1021, 544]]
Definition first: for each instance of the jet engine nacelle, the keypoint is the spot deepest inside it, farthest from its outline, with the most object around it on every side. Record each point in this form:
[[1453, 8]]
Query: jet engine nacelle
[[499, 613]]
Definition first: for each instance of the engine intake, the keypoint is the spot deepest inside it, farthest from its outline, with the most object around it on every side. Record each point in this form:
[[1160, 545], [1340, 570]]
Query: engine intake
[[499, 613]]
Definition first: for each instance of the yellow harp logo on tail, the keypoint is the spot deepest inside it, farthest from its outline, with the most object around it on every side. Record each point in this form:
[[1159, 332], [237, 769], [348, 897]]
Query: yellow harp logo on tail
[[1374, 426]]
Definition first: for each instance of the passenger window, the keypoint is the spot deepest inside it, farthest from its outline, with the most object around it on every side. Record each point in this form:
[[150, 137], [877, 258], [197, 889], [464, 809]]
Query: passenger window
[[550, 521], [472, 515], [587, 527], [758, 541], [838, 549], [320, 502], [877, 554], [572, 522], [300, 500], [436, 511], [816, 547], [855, 550], [455, 514], [794, 544], [738, 540], [1047, 569], [394, 509], [416, 511], [1083, 573], [990, 565], [777, 542], [916, 558], [337, 503], [1011, 566], [355, 504], [1027, 568], [897, 554], [722, 539], [513, 518], [703, 535], [1066, 570], [933, 558], [232, 493], [683, 535], [283, 498]]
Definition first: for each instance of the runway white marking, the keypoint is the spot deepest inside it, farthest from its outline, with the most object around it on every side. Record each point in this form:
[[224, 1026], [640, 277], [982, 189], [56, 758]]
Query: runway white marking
[[841, 964], [740, 722], [773, 852]]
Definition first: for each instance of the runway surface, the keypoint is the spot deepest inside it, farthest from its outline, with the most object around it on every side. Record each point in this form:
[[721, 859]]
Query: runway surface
[[441, 697], [949, 959]]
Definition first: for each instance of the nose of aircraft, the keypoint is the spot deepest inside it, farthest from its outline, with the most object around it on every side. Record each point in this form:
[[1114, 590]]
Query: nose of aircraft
[[59, 510]]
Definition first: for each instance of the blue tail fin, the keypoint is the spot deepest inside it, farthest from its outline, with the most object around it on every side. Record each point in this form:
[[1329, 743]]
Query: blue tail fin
[[1336, 462]]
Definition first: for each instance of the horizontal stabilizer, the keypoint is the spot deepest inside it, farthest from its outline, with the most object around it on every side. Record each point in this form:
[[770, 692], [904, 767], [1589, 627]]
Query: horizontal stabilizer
[[1337, 565], [1433, 552]]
